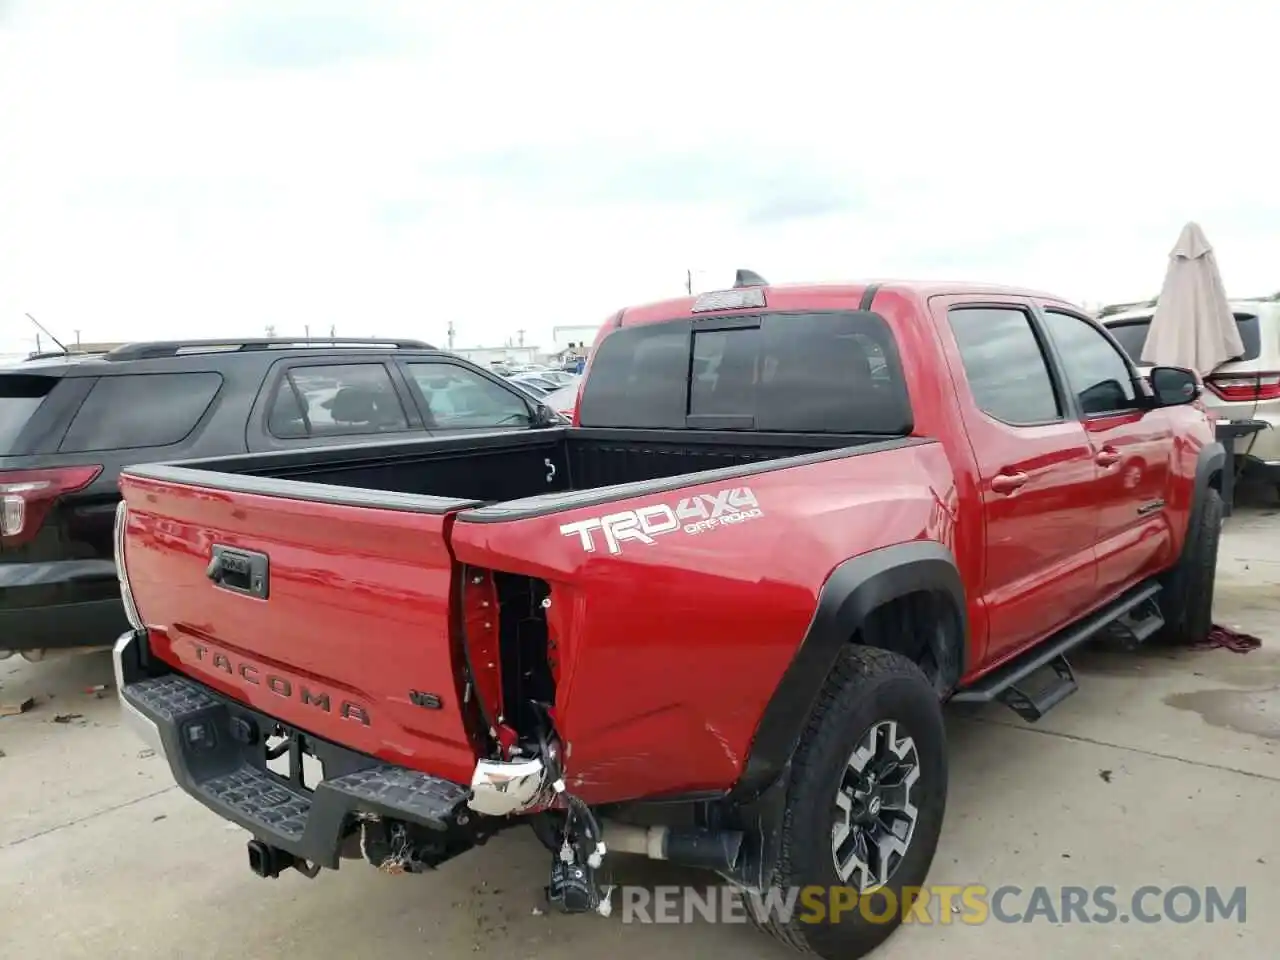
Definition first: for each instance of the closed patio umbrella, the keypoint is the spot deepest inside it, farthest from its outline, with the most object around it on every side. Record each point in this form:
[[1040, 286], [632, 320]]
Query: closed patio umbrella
[[1193, 326]]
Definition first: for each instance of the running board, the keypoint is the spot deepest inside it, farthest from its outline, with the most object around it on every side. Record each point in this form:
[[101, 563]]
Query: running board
[[1015, 685], [1138, 625]]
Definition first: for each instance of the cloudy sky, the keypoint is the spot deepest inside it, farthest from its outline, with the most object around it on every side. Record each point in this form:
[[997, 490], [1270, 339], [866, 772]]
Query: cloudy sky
[[208, 168]]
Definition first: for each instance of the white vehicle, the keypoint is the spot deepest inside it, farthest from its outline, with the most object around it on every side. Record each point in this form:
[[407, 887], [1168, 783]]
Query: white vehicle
[[1244, 389]]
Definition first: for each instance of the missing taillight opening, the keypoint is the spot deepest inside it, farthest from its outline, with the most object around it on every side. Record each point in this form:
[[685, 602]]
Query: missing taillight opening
[[26, 497], [511, 659]]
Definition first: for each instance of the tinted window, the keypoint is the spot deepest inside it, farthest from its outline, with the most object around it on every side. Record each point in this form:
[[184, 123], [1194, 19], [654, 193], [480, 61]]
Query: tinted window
[[140, 410], [20, 395], [1095, 369], [639, 378], [1004, 364], [458, 398], [1132, 335], [801, 373], [340, 400]]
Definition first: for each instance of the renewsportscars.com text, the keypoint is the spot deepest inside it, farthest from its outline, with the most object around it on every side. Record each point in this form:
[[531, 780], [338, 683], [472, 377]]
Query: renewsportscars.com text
[[969, 905]]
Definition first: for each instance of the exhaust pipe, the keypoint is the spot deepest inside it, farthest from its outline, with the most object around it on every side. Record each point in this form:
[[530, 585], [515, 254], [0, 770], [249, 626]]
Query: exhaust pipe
[[687, 846], [269, 862]]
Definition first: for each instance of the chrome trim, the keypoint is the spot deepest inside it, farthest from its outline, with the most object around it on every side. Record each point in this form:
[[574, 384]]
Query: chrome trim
[[122, 575], [143, 726], [499, 788]]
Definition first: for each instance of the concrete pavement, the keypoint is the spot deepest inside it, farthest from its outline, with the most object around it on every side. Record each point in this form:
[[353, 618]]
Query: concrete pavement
[[1163, 770]]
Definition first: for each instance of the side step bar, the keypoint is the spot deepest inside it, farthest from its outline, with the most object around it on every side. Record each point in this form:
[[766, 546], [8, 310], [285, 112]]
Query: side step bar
[[1135, 617]]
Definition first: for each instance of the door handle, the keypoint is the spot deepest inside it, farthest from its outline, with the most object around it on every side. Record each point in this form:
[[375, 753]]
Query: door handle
[[1008, 482], [1107, 457]]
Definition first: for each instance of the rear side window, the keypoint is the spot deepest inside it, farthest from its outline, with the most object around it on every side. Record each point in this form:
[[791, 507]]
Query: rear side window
[[786, 373], [140, 410], [1132, 336], [339, 400], [20, 395], [1005, 365]]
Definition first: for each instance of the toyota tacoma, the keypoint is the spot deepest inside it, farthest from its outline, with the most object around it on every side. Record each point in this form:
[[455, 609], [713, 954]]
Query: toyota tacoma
[[714, 620]]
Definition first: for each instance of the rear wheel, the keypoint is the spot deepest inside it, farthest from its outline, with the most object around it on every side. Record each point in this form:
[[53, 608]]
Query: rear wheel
[[864, 805], [1188, 593]]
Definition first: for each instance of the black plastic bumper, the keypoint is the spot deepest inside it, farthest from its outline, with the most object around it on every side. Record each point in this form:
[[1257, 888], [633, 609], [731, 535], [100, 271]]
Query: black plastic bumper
[[93, 623], [1228, 432], [216, 750]]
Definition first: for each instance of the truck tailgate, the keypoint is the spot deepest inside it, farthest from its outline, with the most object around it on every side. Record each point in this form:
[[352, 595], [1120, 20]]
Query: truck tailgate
[[331, 617]]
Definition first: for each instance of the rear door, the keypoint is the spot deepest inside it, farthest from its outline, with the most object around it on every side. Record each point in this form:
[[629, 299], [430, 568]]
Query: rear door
[[309, 402], [1035, 469], [1131, 448]]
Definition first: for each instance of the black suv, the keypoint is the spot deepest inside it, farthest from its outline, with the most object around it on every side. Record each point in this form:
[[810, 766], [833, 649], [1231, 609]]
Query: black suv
[[69, 424]]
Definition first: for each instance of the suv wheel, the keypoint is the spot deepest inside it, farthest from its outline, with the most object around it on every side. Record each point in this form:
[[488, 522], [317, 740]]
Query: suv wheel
[[864, 805], [1187, 599]]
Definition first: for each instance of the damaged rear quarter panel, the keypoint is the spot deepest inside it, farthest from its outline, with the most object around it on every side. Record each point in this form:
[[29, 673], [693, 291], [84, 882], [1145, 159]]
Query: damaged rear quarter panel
[[671, 642]]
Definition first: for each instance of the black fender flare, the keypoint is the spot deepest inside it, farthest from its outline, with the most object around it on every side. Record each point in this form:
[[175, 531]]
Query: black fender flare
[[854, 589], [1211, 459]]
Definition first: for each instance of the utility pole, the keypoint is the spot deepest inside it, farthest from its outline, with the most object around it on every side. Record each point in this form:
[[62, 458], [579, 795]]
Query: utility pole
[[450, 334], [306, 332], [688, 282], [521, 335]]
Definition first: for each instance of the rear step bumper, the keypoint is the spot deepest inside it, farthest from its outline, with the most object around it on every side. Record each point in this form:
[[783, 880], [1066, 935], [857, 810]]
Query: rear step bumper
[[216, 749]]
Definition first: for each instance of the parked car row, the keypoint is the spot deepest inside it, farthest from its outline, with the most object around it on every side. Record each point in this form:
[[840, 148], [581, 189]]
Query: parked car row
[[712, 620]]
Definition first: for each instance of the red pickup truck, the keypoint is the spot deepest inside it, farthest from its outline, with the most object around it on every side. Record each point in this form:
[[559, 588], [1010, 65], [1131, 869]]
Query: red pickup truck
[[713, 621]]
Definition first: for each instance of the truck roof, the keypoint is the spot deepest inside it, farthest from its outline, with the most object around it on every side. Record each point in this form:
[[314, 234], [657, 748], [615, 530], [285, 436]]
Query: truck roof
[[811, 295]]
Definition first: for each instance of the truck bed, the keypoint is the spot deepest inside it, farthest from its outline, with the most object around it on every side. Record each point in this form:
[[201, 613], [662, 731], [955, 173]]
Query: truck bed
[[434, 601], [443, 475]]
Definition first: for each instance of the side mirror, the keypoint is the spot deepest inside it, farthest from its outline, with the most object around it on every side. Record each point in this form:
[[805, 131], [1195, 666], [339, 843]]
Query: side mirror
[[544, 416], [1173, 386]]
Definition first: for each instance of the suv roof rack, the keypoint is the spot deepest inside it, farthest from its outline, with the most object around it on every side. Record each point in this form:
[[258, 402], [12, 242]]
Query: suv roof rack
[[173, 348], [70, 356], [48, 355]]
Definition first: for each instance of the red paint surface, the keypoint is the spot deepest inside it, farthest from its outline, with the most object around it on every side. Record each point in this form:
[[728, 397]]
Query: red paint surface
[[666, 654]]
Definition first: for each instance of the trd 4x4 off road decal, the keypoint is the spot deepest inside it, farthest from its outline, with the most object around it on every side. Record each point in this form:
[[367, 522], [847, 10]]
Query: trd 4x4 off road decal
[[695, 514]]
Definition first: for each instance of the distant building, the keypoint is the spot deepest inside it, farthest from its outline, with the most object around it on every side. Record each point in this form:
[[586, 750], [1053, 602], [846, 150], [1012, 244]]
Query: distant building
[[578, 337]]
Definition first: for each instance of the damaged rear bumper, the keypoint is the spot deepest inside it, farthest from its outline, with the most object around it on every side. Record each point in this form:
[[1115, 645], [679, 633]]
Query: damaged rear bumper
[[217, 750]]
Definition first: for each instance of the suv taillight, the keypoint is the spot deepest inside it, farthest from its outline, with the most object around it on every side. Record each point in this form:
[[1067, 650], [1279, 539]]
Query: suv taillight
[[27, 495], [1245, 387]]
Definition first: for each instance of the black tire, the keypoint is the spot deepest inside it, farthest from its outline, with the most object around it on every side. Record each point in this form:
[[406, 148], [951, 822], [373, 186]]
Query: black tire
[[867, 688], [1187, 599]]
